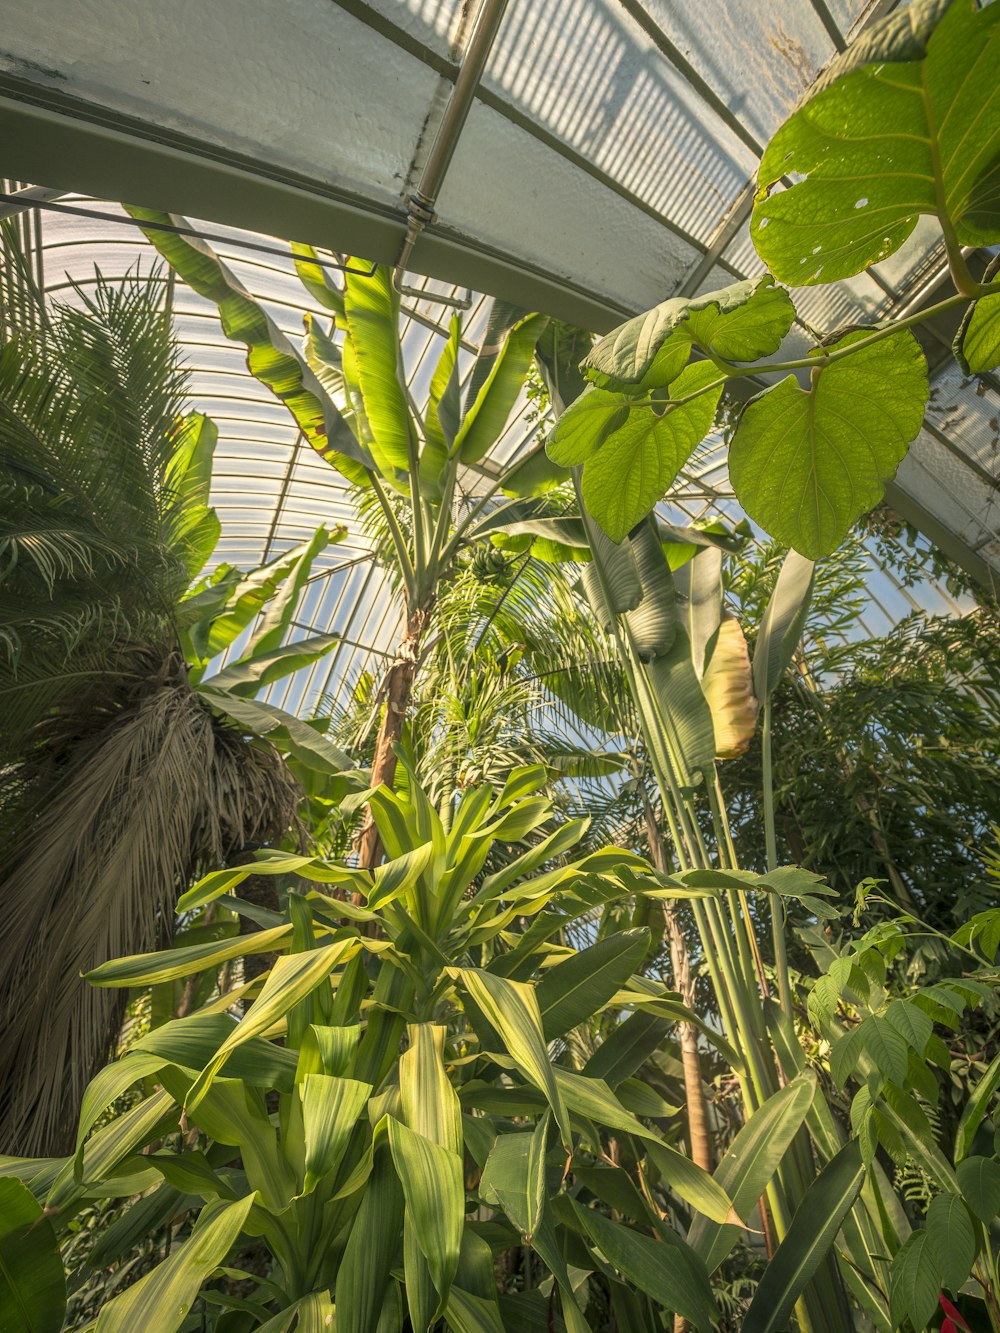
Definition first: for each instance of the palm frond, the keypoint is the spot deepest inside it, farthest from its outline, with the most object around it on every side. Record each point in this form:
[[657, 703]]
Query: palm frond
[[91, 875]]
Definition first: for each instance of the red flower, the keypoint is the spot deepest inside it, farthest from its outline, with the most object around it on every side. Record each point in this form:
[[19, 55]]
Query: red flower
[[953, 1321]]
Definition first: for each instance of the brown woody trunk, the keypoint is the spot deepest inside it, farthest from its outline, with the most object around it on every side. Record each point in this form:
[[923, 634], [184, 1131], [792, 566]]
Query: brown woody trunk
[[397, 690], [699, 1133]]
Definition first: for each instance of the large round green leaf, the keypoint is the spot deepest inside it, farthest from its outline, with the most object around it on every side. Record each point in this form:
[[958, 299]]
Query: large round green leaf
[[806, 463], [977, 343], [742, 322], [634, 466], [936, 120]]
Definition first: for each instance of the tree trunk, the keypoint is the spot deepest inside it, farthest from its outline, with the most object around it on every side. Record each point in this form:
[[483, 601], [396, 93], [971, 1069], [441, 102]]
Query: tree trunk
[[699, 1132], [397, 690]]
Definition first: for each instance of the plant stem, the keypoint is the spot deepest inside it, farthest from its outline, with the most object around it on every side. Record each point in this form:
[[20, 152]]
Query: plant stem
[[818, 358], [771, 844]]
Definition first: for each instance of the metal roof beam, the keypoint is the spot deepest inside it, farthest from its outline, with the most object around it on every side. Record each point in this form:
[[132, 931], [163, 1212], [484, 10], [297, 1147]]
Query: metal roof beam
[[690, 75], [82, 147]]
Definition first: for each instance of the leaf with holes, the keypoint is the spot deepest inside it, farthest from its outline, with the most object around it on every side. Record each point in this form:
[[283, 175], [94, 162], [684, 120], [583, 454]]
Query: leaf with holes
[[806, 463], [885, 142]]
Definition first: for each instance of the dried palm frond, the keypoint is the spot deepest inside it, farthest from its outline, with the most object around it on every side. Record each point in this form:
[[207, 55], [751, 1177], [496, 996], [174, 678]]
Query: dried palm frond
[[157, 791], [117, 783]]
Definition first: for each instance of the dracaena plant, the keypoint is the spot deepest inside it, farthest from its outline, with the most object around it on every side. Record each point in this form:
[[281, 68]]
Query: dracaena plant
[[904, 124], [399, 1106], [126, 766]]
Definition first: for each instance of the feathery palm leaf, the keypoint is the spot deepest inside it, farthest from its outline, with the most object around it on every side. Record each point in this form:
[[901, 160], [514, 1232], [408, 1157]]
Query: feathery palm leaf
[[118, 782]]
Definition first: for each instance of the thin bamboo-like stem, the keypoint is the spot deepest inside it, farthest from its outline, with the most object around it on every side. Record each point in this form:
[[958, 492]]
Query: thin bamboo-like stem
[[739, 907], [771, 843]]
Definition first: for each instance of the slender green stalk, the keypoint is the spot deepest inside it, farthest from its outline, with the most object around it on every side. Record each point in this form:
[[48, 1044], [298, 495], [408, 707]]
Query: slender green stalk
[[739, 907], [819, 359], [398, 540], [771, 843]]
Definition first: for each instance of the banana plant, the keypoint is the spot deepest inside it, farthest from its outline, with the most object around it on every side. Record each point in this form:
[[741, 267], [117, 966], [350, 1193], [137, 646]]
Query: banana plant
[[346, 389], [396, 1112]]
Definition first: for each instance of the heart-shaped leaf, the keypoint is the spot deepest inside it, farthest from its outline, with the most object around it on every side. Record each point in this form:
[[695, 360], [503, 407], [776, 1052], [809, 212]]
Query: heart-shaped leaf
[[742, 322], [884, 143], [806, 463], [977, 343], [636, 463]]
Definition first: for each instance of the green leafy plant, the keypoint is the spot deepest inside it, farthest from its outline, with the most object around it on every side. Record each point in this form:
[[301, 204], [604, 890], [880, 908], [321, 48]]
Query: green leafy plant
[[886, 1047], [345, 389], [808, 457], [387, 1118], [126, 765]]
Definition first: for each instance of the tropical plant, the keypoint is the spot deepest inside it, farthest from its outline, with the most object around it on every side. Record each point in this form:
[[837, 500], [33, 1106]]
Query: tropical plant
[[125, 766], [805, 461], [346, 390], [902, 124], [887, 1052], [885, 756], [387, 1118]]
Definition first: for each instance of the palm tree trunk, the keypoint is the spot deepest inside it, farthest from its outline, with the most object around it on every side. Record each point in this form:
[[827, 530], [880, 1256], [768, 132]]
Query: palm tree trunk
[[397, 690], [699, 1131]]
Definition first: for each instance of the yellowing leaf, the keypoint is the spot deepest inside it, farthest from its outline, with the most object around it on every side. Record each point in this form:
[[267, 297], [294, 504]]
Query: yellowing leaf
[[728, 688]]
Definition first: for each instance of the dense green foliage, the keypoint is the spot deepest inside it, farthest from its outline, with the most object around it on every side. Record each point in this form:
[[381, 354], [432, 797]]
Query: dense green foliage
[[431, 1071], [810, 455], [121, 772]]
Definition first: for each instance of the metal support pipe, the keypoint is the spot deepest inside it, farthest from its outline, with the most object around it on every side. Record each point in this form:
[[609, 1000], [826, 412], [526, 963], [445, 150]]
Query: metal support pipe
[[422, 201], [30, 197]]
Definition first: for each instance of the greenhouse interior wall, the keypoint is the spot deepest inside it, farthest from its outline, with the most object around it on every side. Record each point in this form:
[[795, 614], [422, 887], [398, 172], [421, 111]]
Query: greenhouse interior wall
[[500, 666]]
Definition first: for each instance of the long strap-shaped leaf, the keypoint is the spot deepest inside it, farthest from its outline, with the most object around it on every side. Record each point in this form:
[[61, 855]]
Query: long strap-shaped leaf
[[291, 979], [150, 969], [813, 1230], [288, 732], [781, 628], [666, 1270], [371, 311], [487, 413], [271, 358], [513, 1010], [282, 607], [159, 1302], [751, 1161], [431, 1177]]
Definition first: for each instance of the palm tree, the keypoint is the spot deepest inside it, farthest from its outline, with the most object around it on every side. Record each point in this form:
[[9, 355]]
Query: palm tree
[[122, 770]]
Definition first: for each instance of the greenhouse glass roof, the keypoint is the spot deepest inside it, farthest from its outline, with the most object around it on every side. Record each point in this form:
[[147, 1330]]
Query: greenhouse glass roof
[[606, 162]]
